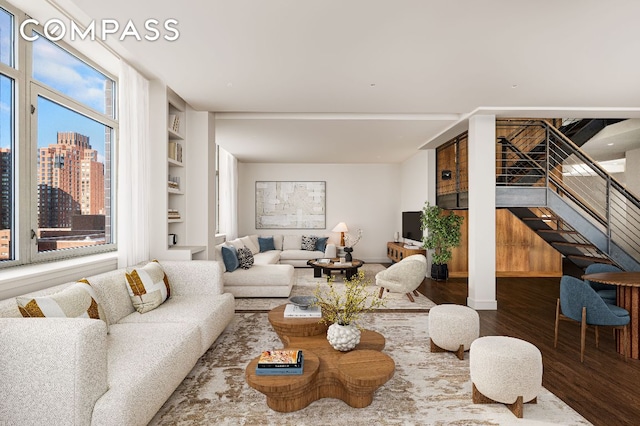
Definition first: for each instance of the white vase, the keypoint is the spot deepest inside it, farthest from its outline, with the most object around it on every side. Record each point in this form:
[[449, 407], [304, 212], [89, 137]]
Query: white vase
[[343, 337]]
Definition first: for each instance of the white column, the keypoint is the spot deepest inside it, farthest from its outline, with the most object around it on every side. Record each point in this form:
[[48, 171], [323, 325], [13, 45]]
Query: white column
[[482, 212]]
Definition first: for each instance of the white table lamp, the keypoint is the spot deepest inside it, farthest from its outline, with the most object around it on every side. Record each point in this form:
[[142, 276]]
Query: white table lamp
[[341, 228]]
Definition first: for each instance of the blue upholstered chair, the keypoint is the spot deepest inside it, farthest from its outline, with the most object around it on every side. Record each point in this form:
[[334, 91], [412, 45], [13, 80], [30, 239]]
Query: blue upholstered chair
[[606, 291], [579, 302]]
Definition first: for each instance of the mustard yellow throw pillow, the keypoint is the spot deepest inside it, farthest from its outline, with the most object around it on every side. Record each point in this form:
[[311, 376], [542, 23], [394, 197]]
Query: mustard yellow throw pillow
[[76, 301], [148, 287]]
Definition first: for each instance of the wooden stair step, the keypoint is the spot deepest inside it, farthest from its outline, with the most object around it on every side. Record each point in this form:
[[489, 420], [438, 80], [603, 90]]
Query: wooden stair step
[[568, 244], [557, 231], [540, 218], [591, 259]]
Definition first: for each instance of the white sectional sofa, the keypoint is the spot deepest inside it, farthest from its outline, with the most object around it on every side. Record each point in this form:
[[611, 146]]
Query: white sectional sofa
[[72, 372], [272, 272]]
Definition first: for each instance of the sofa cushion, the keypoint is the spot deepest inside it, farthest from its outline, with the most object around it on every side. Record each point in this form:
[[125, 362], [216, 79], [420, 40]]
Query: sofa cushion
[[321, 243], [266, 244], [146, 363], [261, 275], [309, 242], [245, 258], [230, 258], [237, 243], [292, 242], [148, 287], [248, 242], [210, 313], [300, 254], [277, 241], [76, 301], [267, 258], [111, 288], [254, 240]]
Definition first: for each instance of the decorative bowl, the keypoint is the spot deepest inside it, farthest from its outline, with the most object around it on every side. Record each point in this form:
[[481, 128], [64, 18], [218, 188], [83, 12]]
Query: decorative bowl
[[303, 302]]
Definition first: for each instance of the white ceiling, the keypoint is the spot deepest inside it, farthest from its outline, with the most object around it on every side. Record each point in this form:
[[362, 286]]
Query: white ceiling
[[372, 81]]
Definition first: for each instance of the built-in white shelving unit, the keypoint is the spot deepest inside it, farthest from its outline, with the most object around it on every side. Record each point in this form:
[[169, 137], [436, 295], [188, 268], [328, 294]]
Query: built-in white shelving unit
[[169, 205]]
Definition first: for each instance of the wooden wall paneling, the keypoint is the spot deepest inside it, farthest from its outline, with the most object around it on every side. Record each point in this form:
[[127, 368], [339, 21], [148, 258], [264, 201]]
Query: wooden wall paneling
[[446, 160], [519, 250], [459, 264]]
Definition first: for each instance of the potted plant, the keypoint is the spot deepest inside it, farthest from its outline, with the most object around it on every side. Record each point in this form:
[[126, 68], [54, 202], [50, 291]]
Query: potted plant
[[443, 234], [341, 309]]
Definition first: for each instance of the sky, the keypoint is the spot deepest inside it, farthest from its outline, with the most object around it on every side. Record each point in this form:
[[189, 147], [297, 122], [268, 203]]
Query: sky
[[61, 71]]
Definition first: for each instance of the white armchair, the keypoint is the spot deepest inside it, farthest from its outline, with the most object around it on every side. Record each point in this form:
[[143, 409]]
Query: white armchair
[[404, 276]]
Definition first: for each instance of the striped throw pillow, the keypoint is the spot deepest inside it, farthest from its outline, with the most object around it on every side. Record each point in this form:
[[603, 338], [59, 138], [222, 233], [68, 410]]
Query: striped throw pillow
[[76, 301], [148, 287]]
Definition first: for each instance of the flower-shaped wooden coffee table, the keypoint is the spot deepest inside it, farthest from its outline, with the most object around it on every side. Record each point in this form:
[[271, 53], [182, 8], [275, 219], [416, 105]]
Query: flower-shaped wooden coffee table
[[350, 376]]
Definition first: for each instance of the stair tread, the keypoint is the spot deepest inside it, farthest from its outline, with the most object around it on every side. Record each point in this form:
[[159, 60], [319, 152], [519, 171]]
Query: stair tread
[[591, 258], [567, 243], [557, 231]]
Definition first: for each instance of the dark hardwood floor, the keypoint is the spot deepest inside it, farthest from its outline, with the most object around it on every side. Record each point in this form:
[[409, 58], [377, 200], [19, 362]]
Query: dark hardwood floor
[[604, 389]]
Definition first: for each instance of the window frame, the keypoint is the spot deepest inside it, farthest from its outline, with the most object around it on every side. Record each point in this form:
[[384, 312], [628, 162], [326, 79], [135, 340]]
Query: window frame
[[26, 93]]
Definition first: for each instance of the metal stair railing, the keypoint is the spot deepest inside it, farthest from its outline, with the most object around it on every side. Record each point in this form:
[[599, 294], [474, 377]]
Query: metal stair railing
[[567, 170]]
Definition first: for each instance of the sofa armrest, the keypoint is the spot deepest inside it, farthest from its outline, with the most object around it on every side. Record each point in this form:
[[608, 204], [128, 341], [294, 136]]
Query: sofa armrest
[[330, 251], [193, 277], [52, 370]]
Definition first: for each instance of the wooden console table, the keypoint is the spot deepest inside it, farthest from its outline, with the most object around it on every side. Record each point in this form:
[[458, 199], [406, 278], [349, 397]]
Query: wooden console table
[[351, 376], [396, 251]]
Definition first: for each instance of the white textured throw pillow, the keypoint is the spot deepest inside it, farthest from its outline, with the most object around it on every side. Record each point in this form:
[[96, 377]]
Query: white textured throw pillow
[[76, 301], [148, 287]]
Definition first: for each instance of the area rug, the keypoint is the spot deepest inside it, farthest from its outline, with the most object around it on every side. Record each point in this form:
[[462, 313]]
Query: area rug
[[426, 389], [305, 284]]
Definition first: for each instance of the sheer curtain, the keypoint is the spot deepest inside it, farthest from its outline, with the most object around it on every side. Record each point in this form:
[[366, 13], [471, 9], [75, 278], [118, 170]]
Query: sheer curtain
[[228, 197], [133, 168]]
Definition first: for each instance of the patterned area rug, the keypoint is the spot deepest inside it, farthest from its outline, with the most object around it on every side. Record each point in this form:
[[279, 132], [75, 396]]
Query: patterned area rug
[[427, 389], [305, 284]]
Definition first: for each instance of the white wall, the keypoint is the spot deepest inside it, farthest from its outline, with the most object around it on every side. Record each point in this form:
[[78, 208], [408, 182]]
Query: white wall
[[365, 196], [632, 171]]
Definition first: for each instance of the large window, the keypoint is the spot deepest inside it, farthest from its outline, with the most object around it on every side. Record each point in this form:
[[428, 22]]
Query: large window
[[60, 192]]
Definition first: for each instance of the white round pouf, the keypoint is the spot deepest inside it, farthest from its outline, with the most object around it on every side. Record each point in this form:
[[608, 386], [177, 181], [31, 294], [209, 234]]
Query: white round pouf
[[504, 368], [453, 325]]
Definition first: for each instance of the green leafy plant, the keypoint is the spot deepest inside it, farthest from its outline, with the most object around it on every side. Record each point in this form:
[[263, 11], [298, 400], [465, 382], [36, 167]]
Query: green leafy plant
[[345, 308], [443, 232]]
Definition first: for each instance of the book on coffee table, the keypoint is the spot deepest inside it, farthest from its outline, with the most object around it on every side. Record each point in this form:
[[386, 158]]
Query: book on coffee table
[[293, 311], [280, 362]]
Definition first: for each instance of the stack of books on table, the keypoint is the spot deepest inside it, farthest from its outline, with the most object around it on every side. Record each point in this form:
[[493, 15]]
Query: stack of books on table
[[293, 311], [282, 362]]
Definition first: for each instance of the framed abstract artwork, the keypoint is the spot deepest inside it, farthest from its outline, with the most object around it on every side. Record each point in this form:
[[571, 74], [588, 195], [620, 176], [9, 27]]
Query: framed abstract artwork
[[290, 204]]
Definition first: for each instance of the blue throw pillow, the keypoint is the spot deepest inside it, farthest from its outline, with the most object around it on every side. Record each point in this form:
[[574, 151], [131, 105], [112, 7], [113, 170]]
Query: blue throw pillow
[[266, 244], [230, 258], [321, 244]]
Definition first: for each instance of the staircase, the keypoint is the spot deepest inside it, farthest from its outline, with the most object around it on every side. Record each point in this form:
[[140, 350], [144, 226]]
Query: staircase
[[547, 181]]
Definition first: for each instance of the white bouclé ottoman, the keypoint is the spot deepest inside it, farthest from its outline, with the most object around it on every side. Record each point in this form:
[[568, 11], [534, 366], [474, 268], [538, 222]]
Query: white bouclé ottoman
[[505, 370], [453, 328]]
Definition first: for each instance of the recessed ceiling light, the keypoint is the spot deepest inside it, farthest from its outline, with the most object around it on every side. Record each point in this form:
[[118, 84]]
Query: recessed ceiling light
[[513, 86], [372, 85], [610, 144]]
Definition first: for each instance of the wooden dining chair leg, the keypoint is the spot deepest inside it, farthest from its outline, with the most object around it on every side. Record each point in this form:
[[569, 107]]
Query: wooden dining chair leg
[[410, 297], [583, 332], [381, 291], [555, 340], [415, 293]]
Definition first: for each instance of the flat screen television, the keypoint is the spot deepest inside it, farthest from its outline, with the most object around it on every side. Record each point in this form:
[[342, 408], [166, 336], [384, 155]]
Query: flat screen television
[[411, 226]]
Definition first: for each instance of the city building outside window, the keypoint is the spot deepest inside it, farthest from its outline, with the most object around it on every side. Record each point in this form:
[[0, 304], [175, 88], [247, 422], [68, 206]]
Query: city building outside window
[[70, 124]]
